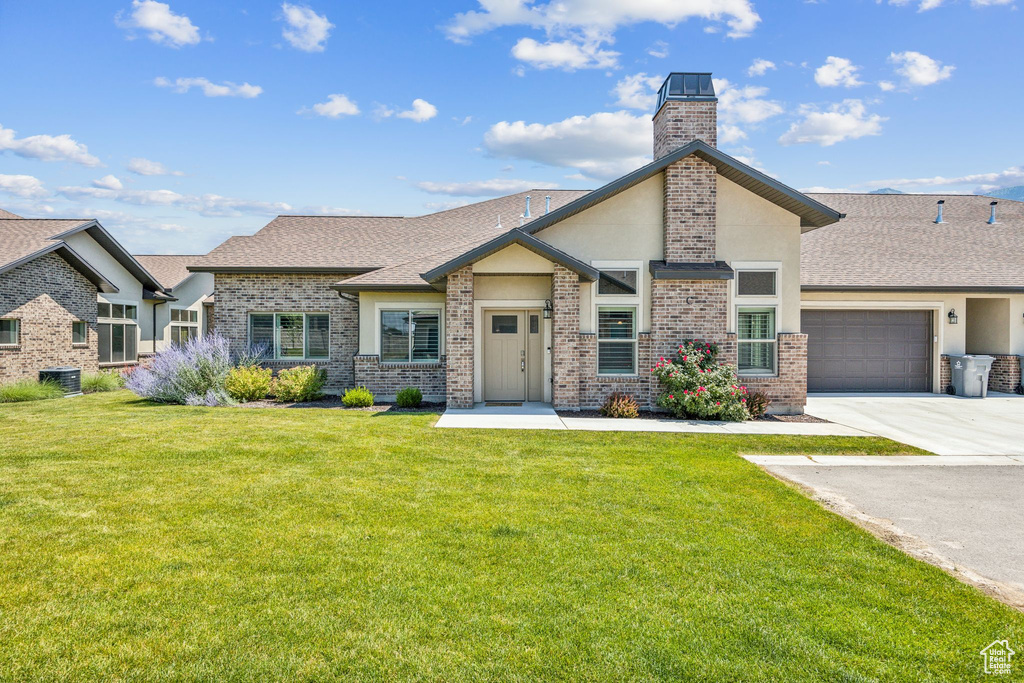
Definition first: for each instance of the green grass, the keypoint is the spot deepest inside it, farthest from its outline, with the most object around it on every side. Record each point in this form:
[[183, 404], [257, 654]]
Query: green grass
[[165, 542], [93, 382], [29, 390]]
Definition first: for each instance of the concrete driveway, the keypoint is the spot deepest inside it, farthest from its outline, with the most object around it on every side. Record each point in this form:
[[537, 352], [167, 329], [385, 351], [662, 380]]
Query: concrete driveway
[[944, 425], [966, 519]]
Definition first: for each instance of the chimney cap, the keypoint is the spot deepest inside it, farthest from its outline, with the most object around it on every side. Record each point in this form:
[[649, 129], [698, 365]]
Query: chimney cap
[[993, 203], [687, 85]]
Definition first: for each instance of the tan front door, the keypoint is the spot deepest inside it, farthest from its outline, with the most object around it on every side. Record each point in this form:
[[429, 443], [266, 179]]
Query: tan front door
[[505, 356]]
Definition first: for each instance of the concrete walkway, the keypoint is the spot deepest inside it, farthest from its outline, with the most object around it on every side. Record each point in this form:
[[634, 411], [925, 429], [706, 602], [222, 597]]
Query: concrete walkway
[[775, 461], [941, 424], [543, 416]]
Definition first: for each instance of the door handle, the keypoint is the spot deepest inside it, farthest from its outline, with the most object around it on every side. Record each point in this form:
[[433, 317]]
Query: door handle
[[522, 366]]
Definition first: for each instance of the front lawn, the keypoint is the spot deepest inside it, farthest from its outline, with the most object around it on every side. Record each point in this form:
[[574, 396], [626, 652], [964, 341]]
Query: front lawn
[[159, 542]]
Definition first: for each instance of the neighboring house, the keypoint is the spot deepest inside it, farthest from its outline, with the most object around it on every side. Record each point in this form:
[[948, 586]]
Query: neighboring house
[[505, 300], [69, 295], [890, 290], [190, 314]]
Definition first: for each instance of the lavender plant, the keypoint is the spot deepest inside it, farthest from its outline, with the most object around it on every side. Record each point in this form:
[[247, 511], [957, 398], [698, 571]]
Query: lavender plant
[[190, 374]]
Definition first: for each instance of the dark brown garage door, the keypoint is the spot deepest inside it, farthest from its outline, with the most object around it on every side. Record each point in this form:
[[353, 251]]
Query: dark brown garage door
[[868, 350]]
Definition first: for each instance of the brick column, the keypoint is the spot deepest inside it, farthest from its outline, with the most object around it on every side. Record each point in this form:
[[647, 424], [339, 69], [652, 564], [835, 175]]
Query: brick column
[[565, 330], [459, 338], [689, 211], [788, 389], [1005, 374]]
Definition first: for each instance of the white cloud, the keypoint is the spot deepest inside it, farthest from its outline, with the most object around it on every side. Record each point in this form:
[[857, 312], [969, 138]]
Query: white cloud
[[210, 89], [445, 206], [728, 134], [825, 190], [638, 91], [603, 145], [846, 120], [837, 71], [990, 3], [46, 148], [480, 188], [925, 5], [658, 49], [919, 69], [421, 111], [162, 25], [137, 197], [760, 67], [306, 30], [337, 105], [887, 86], [744, 104], [599, 17], [25, 186], [141, 166], [564, 54], [108, 182], [982, 182]]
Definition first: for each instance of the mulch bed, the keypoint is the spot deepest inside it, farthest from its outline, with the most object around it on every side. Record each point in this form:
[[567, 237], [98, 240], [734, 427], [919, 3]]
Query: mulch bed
[[650, 415], [334, 403]]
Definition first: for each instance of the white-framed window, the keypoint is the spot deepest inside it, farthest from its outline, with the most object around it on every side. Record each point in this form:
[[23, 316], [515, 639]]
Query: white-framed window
[[9, 329], [618, 300], [184, 325], [410, 335], [616, 340], [117, 332], [292, 336], [755, 337], [79, 333]]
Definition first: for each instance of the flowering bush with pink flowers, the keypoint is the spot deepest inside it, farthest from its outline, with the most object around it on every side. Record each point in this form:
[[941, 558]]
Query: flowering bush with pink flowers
[[696, 386]]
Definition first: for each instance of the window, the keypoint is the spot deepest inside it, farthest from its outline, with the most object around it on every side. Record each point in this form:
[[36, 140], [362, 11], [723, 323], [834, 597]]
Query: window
[[504, 324], [9, 331], [79, 333], [616, 340], [184, 325], [118, 342], [411, 336], [117, 311], [755, 283], [534, 324], [618, 282], [291, 336], [755, 334]]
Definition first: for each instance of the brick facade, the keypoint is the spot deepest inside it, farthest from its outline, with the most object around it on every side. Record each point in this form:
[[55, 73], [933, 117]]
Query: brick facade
[[1005, 375], [594, 390], [458, 332], [385, 380], [690, 211], [47, 295], [239, 294], [945, 374], [565, 337], [679, 122], [788, 389]]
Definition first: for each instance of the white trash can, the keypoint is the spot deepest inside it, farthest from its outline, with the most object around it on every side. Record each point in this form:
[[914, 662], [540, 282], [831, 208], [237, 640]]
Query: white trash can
[[970, 374]]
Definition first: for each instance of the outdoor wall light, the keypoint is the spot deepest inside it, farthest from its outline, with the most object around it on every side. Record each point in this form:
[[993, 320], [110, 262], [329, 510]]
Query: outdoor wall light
[[547, 308], [952, 316]]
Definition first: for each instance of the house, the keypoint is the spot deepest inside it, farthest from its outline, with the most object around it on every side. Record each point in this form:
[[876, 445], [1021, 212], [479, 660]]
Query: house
[[190, 314], [70, 295], [904, 280], [508, 300]]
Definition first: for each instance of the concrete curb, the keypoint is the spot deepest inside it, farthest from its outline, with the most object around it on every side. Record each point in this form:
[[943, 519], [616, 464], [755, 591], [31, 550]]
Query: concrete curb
[[886, 460]]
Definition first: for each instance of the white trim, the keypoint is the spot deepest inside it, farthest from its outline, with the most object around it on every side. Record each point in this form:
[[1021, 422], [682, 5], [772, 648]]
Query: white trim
[[17, 334], [614, 300], [277, 341], [518, 304], [736, 302], [635, 340], [774, 341], [388, 305]]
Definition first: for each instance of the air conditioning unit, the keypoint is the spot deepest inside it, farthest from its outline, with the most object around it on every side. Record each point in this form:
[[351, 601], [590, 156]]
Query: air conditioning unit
[[69, 379]]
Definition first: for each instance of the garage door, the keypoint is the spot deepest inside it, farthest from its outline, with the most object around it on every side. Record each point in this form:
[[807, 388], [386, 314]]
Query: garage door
[[868, 350]]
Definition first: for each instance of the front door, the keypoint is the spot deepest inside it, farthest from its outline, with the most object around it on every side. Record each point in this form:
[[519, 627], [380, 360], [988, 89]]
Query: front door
[[504, 356]]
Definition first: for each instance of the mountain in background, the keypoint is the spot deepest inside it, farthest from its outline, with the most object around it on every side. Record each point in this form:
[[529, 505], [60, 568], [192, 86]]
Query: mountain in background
[[886, 190], [1016, 193]]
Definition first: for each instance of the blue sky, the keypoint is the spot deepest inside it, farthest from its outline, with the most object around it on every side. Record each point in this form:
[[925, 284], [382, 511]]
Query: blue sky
[[181, 123]]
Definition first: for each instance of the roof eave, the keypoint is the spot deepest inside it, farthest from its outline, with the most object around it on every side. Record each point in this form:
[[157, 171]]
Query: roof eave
[[913, 288], [281, 269], [114, 248], [74, 259], [355, 288], [524, 239]]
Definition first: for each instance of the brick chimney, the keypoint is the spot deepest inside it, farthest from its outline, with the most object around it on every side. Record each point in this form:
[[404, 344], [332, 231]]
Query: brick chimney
[[687, 111]]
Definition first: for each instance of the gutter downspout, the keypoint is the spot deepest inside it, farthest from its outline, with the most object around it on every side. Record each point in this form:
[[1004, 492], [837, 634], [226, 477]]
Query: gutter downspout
[[154, 324]]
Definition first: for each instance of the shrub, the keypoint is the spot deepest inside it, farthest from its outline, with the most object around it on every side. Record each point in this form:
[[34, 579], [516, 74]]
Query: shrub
[[410, 397], [29, 390], [192, 373], [252, 355], [302, 383], [758, 403], [248, 382], [695, 386], [358, 397], [93, 382], [619, 404]]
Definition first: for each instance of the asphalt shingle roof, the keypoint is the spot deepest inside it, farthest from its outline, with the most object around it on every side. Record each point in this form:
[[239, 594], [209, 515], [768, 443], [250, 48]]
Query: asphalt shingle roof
[[893, 241], [169, 270], [21, 237], [8, 214]]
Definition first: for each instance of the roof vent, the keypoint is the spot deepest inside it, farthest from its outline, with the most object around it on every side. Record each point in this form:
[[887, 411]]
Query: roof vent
[[686, 86], [547, 204], [938, 219], [992, 214], [499, 221], [527, 214]]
